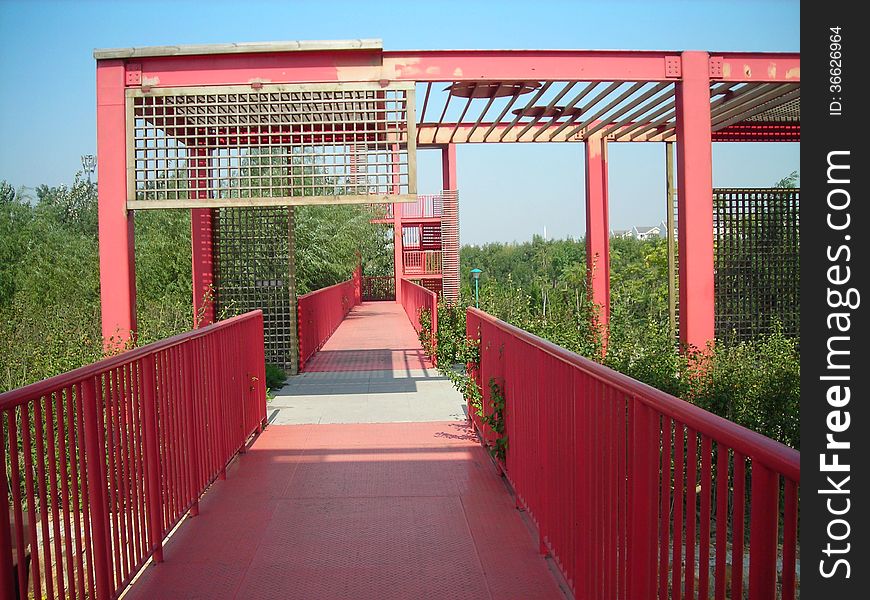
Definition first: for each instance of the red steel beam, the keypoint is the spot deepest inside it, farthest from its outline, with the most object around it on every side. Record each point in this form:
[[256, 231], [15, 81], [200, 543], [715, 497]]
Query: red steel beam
[[694, 201], [117, 254], [779, 67], [371, 64], [422, 66]]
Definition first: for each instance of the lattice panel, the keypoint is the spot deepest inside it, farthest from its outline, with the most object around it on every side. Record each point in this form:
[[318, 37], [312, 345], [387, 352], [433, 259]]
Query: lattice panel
[[252, 270], [450, 245], [279, 145], [757, 244], [788, 112]]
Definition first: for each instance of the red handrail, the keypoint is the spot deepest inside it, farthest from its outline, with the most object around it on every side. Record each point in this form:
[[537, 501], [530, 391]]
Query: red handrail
[[415, 298], [321, 312], [103, 461], [422, 262], [636, 492]]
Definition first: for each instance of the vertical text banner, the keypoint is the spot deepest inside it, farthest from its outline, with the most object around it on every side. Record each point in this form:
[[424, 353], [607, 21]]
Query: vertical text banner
[[835, 421]]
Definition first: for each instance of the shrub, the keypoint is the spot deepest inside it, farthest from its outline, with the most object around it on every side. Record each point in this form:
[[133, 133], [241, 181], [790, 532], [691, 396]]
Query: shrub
[[275, 376]]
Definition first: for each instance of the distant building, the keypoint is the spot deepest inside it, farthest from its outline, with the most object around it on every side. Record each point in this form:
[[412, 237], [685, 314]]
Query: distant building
[[641, 233], [646, 233]]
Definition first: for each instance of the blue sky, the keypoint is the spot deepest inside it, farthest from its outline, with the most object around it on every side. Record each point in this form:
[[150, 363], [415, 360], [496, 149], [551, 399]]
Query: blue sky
[[507, 192]]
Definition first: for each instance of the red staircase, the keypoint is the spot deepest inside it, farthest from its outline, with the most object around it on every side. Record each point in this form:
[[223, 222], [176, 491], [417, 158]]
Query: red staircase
[[423, 251]]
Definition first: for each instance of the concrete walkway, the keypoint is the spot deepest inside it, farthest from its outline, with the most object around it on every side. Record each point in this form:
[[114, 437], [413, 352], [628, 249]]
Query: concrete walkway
[[372, 370]]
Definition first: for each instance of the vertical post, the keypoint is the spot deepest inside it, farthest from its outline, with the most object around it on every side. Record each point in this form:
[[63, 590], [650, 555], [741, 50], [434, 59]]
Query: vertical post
[[669, 220], [293, 351], [357, 283], [763, 532], [95, 456], [598, 228], [643, 498], [449, 224], [201, 241], [398, 250], [190, 409], [117, 252], [695, 200], [152, 459]]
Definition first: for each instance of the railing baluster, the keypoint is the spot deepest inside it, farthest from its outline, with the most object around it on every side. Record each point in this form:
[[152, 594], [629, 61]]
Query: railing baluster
[[7, 570], [154, 506], [763, 533], [43, 497], [95, 461], [737, 515]]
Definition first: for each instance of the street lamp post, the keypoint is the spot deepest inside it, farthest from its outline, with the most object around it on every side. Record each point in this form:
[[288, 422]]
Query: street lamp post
[[475, 273]]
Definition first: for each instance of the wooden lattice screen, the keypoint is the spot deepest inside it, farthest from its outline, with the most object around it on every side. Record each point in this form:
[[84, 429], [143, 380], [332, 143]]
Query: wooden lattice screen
[[277, 145], [757, 244], [254, 269]]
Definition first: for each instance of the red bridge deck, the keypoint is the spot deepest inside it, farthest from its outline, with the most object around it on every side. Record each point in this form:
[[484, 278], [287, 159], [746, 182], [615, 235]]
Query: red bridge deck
[[391, 510], [374, 336]]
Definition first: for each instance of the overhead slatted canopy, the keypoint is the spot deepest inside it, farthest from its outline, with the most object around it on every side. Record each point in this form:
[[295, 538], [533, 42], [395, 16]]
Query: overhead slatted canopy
[[621, 111]]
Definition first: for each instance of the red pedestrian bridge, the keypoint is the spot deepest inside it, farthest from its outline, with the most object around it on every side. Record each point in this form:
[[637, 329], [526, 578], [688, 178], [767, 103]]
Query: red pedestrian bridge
[[154, 474]]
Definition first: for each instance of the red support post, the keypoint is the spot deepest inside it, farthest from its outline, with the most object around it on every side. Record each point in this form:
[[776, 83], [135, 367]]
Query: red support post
[[598, 228], [357, 284], [695, 200], [398, 250], [201, 241], [117, 263]]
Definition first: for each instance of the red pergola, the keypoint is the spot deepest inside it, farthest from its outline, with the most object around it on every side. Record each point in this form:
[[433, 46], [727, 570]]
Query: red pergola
[[692, 98]]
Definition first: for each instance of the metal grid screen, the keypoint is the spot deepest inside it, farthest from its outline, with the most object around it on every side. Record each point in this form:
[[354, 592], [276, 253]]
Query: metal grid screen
[[278, 145], [757, 243], [252, 269]]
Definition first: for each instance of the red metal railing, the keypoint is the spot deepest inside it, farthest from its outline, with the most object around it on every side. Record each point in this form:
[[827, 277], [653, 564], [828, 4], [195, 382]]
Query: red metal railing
[[422, 262], [635, 493], [426, 206], [102, 462], [415, 298], [321, 312]]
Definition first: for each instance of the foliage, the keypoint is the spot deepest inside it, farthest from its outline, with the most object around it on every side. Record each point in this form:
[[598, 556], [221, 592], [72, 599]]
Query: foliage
[[49, 273], [540, 286], [275, 376], [456, 356], [495, 420], [49, 287], [758, 262], [331, 239]]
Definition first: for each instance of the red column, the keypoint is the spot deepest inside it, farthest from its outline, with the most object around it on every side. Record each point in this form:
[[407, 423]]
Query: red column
[[398, 250], [695, 200], [201, 241], [598, 227], [449, 224], [117, 262]]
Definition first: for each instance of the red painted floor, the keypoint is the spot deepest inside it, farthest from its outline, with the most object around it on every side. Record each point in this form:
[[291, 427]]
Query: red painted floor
[[400, 510], [375, 336]]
